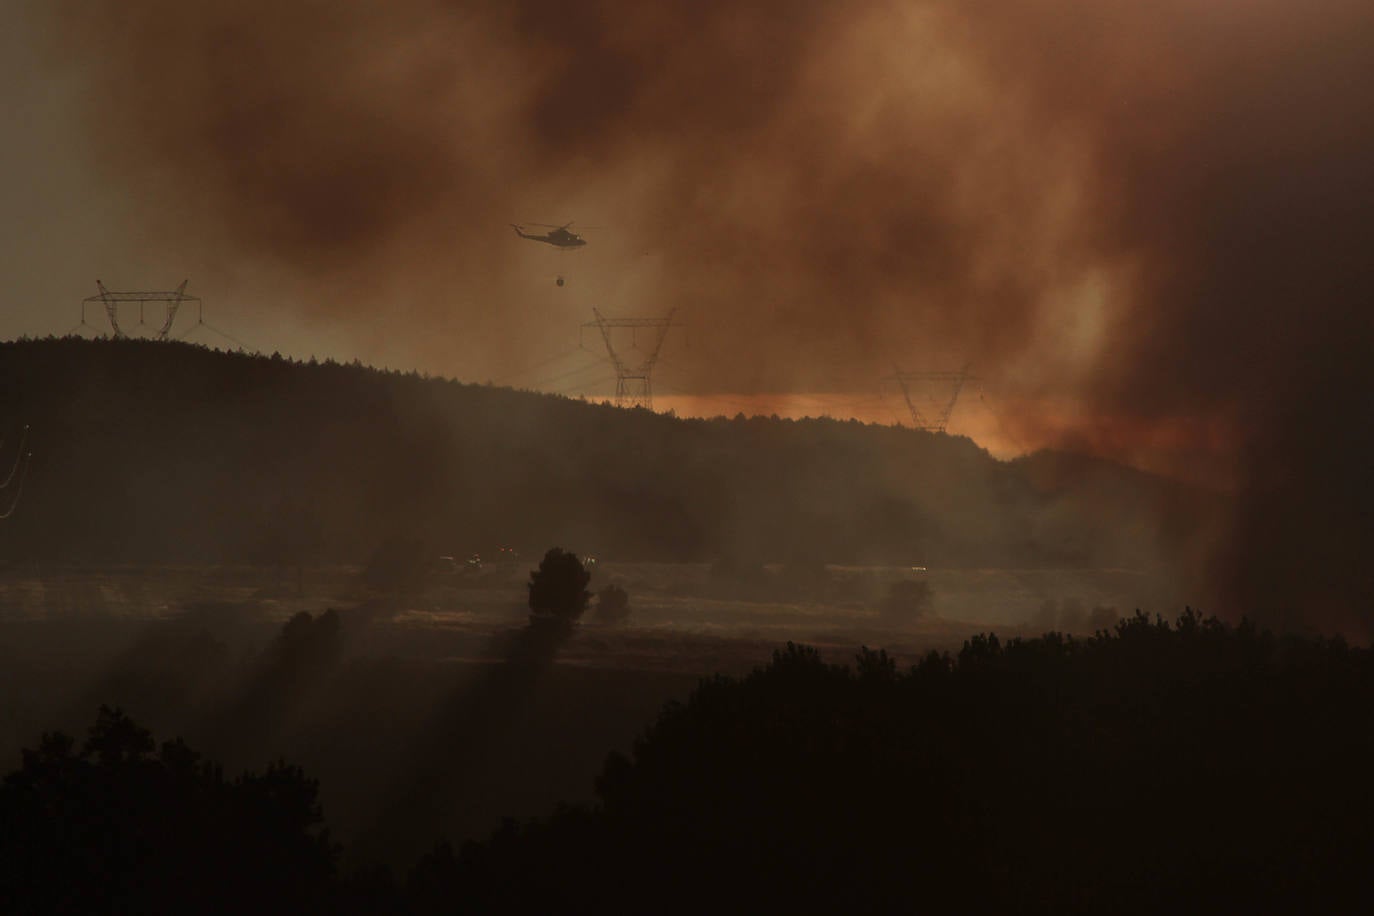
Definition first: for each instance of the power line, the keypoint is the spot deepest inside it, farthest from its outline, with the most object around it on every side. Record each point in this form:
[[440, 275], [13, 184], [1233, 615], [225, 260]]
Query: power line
[[499, 380], [542, 383], [225, 334], [941, 408], [22, 461], [633, 382], [18, 456], [111, 300], [582, 387]]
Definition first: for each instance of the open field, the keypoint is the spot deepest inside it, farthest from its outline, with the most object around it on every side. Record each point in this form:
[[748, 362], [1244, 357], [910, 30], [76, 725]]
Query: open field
[[182, 649], [683, 601]]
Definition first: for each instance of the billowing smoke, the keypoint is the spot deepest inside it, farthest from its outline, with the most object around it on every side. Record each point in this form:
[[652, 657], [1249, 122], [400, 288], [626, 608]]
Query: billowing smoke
[[1150, 220], [823, 186]]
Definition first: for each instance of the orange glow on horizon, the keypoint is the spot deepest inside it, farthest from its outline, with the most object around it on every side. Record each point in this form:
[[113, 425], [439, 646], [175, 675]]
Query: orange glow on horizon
[[1193, 449]]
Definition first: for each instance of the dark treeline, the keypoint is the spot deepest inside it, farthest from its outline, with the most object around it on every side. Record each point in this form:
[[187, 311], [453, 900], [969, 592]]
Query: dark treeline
[[1193, 767], [152, 452], [1187, 768], [120, 825]]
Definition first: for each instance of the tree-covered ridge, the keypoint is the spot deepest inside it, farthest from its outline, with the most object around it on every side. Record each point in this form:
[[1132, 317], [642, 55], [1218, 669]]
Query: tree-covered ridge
[[148, 451]]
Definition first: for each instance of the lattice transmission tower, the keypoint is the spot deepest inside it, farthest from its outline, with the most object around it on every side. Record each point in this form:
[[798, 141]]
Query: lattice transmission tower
[[111, 300], [935, 392], [633, 380]]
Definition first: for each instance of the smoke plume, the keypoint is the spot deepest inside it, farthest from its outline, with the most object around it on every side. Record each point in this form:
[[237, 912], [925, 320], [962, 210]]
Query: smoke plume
[[1151, 219]]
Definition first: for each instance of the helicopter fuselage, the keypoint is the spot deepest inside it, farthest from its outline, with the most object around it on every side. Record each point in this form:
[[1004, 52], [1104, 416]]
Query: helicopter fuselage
[[559, 238]]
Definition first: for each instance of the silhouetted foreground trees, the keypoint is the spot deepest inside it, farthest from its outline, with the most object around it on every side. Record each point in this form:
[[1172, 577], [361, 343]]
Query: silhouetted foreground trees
[[1158, 768], [1193, 767], [121, 826]]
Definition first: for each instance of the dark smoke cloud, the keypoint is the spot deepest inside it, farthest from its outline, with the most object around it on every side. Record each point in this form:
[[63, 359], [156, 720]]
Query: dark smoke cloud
[[787, 183], [1234, 167], [1153, 214]]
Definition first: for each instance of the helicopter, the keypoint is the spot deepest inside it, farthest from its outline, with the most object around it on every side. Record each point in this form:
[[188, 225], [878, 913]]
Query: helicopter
[[558, 236]]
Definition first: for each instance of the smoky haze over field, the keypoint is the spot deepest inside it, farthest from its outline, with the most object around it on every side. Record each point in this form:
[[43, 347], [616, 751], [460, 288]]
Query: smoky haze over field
[[1151, 222]]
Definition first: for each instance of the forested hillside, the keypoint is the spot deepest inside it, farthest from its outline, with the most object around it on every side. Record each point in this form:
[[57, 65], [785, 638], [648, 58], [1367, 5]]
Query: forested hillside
[[160, 452]]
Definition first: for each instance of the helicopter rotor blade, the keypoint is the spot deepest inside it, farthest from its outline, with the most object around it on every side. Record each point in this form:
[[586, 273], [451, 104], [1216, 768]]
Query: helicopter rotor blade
[[564, 226]]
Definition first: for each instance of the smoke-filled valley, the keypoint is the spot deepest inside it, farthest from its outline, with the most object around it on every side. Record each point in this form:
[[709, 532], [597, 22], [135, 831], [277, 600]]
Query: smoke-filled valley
[[294, 633], [330, 562]]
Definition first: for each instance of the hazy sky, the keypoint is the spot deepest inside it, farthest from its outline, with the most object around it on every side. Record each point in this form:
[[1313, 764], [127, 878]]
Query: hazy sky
[[1142, 224]]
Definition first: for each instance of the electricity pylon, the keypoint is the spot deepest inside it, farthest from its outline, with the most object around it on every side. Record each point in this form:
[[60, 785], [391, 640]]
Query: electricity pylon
[[633, 381], [111, 299], [941, 408]]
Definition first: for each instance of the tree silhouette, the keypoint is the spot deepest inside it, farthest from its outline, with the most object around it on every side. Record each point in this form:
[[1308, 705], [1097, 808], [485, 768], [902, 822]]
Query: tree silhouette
[[1185, 768], [124, 827], [1192, 767], [306, 640], [559, 586]]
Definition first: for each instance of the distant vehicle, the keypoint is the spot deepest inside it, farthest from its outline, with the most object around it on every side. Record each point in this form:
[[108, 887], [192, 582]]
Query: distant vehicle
[[558, 236]]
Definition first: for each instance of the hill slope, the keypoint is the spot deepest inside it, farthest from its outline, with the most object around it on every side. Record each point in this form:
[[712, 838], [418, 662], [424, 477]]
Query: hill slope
[[157, 452]]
